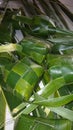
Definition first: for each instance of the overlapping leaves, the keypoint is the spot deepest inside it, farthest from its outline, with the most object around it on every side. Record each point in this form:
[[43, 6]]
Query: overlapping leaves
[[23, 66]]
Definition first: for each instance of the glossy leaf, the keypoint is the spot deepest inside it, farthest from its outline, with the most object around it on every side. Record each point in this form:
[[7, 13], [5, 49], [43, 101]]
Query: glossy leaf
[[60, 70], [63, 49], [49, 89], [55, 84], [23, 77], [64, 112], [53, 102], [52, 86], [39, 26], [35, 49], [62, 40], [53, 60]]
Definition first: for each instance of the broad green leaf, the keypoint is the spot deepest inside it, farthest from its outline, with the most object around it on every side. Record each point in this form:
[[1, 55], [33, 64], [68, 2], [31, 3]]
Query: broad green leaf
[[63, 112], [53, 60], [68, 78], [29, 109], [28, 122], [62, 32], [23, 19], [52, 86], [63, 49], [19, 76], [55, 84], [12, 100], [40, 26], [49, 89], [23, 77], [35, 49], [62, 40], [45, 31], [62, 45], [42, 20], [53, 102], [60, 70]]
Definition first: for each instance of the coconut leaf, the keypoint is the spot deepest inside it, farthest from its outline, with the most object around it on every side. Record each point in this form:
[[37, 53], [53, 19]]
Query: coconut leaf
[[23, 77], [27, 122], [53, 102]]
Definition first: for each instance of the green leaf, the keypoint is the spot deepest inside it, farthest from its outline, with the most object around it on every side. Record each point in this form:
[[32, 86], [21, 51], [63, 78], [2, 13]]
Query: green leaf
[[28, 109], [2, 107], [64, 112], [55, 84], [23, 77], [41, 26], [53, 60], [62, 40], [35, 49], [63, 49], [28, 122], [62, 45], [18, 108], [69, 78], [53, 102], [52, 86], [12, 100], [6, 27], [60, 70], [37, 26], [49, 89], [5, 33], [23, 19]]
